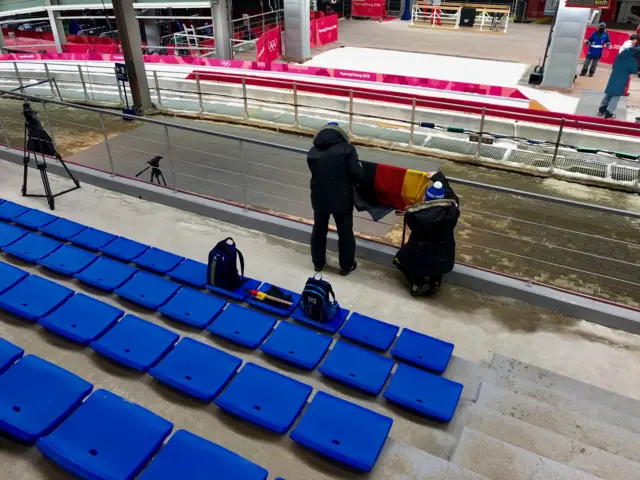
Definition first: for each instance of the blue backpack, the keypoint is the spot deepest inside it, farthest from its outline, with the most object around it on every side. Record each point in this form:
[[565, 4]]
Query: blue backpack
[[318, 300], [222, 270]]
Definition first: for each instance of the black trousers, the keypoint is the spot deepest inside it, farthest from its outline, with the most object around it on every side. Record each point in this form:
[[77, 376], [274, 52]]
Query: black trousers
[[346, 240]]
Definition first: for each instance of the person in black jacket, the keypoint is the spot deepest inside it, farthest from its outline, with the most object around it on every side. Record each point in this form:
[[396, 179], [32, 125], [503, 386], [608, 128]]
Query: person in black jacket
[[335, 168], [431, 249]]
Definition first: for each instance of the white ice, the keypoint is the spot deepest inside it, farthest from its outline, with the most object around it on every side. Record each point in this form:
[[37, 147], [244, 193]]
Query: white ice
[[440, 67]]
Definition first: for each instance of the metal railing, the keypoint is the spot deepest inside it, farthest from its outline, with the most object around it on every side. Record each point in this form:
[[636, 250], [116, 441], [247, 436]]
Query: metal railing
[[478, 138], [250, 27], [584, 248]]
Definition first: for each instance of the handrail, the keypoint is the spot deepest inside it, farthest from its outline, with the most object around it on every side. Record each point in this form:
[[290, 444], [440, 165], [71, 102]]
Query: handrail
[[302, 151]]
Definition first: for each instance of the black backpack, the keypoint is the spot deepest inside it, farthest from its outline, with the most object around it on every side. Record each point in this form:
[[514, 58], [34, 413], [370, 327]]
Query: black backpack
[[318, 300], [222, 269]]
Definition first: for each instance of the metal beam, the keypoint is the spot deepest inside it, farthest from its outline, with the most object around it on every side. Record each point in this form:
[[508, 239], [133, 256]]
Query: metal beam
[[129, 32]]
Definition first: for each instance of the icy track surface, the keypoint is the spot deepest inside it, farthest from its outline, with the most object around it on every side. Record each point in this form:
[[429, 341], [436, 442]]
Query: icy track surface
[[441, 67]]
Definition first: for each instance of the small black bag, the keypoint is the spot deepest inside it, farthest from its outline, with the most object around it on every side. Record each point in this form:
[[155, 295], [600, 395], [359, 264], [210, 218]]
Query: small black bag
[[222, 269], [318, 300]]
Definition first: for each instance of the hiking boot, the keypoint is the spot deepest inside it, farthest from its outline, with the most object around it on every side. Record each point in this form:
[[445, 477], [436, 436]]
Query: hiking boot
[[582, 74], [601, 111], [608, 114], [591, 74], [344, 272]]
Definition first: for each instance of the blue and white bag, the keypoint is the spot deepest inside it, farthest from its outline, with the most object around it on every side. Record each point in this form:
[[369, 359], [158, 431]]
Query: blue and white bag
[[318, 300]]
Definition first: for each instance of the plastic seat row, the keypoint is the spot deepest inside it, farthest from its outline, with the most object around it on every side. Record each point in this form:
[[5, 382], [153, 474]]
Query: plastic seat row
[[413, 348], [103, 436], [108, 437], [152, 291], [140, 345]]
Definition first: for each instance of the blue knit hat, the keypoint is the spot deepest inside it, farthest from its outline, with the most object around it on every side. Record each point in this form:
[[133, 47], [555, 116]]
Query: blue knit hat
[[333, 123], [434, 192]]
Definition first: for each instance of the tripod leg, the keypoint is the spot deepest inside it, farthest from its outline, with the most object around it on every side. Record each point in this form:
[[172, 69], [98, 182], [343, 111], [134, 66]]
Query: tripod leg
[[47, 187], [75, 181], [163, 180], [25, 173]]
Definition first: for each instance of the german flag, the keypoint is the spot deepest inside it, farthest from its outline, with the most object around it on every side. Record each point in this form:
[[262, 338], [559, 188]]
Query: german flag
[[385, 188]]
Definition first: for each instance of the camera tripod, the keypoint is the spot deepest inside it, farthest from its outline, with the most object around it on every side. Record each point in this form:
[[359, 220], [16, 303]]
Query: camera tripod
[[38, 142], [156, 173]]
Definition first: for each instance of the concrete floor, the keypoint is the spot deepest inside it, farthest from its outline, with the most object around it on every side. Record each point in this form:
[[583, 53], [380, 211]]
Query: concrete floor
[[479, 325]]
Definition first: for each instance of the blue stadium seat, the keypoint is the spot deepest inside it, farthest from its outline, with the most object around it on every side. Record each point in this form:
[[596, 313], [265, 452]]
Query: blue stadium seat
[[32, 247], [424, 393], [343, 431], [107, 438], [124, 249], [370, 332], [422, 351], [106, 274], [158, 260], [35, 219], [264, 397], [81, 319], [148, 290], [136, 343], [63, 229], [196, 369], [357, 367], [92, 238], [10, 234], [68, 260], [10, 210], [297, 345], [284, 311], [242, 326], [240, 294], [332, 326], [9, 353], [36, 395], [191, 273], [191, 457], [9, 276], [193, 307], [34, 297]]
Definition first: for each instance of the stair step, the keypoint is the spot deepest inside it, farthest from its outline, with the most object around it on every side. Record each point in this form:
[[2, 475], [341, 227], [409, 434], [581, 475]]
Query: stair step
[[399, 461], [470, 374], [562, 421], [578, 405], [570, 386], [498, 460], [548, 444]]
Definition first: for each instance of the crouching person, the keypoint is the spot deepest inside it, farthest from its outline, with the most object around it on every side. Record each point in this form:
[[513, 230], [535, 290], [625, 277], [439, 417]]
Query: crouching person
[[431, 249]]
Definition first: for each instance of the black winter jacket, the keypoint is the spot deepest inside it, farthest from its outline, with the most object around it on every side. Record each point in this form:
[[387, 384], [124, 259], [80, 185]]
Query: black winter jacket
[[335, 168], [431, 249]]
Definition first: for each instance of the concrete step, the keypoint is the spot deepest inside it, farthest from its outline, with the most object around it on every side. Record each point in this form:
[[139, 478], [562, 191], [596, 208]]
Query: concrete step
[[578, 405], [402, 462], [499, 460], [507, 366], [562, 421], [547, 444]]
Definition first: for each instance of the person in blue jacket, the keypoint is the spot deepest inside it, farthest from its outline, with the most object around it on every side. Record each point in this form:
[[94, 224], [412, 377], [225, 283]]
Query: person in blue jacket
[[626, 64], [597, 42]]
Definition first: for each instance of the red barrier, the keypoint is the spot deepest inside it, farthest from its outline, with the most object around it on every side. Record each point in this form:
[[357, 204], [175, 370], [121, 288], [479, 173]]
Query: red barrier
[[462, 106], [368, 8], [609, 55], [326, 30], [313, 33], [269, 46]]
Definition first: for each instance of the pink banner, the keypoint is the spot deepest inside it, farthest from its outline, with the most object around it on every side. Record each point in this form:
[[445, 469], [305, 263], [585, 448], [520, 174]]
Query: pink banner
[[327, 30], [368, 8], [260, 48], [492, 90], [269, 46], [609, 55], [313, 33]]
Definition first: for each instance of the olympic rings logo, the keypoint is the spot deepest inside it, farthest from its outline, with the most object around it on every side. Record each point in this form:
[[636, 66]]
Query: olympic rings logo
[[225, 63], [272, 45]]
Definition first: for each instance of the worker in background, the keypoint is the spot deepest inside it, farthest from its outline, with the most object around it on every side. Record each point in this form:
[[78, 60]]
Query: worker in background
[[335, 169], [435, 15], [431, 249], [597, 42], [626, 64]]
